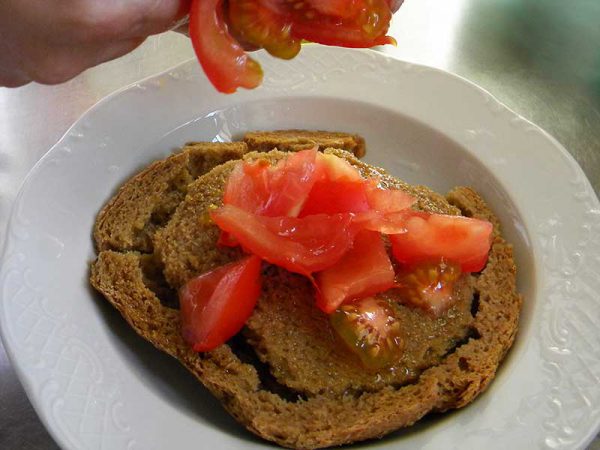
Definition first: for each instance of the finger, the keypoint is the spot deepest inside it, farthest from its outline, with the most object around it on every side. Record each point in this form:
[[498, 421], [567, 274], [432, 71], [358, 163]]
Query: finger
[[13, 81], [161, 16], [396, 4], [114, 51], [67, 63]]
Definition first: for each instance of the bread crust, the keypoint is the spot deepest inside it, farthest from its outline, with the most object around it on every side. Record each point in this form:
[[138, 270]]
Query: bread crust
[[314, 419]]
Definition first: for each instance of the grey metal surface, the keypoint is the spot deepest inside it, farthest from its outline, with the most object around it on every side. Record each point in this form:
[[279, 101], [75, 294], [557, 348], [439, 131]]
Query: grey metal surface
[[539, 57]]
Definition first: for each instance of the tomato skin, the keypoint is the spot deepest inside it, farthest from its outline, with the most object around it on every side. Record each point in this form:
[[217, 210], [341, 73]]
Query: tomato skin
[[223, 59], [433, 236], [301, 245], [216, 305], [365, 270]]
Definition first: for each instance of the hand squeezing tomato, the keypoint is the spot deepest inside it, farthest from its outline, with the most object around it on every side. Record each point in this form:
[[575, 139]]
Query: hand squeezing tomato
[[221, 29]]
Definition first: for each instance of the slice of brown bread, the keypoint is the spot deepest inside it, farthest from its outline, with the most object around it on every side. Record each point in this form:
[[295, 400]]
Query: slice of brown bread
[[272, 395], [146, 202], [294, 140]]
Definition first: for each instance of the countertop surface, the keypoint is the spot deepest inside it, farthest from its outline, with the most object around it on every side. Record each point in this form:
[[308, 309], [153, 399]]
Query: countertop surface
[[539, 57]]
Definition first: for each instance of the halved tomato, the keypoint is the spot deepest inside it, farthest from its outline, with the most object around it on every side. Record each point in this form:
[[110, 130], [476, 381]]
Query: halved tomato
[[463, 240], [279, 26], [364, 271], [302, 245], [369, 328], [272, 191], [215, 305], [223, 59]]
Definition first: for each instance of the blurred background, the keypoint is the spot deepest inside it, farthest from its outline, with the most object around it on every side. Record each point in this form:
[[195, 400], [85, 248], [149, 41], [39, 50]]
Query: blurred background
[[539, 57]]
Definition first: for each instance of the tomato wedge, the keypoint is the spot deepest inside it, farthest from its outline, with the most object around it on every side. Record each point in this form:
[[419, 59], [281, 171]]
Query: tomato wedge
[[388, 200], [364, 271], [215, 305], [301, 245], [434, 236], [281, 190], [223, 59]]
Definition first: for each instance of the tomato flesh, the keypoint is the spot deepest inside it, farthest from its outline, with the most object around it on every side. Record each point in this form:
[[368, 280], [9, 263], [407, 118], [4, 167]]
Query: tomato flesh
[[301, 245], [272, 191], [429, 285], [370, 329], [463, 240], [263, 26], [223, 59], [215, 305], [364, 270], [388, 200]]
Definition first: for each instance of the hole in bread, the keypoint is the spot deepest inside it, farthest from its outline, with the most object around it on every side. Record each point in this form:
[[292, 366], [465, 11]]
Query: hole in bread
[[153, 278], [246, 354], [475, 303], [472, 333], [463, 364]]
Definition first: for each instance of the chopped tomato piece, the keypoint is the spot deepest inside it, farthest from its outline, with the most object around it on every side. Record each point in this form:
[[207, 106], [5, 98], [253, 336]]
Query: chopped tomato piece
[[334, 168], [434, 236], [223, 59], [370, 329], [429, 285], [302, 245], [216, 305], [364, 271], [331, 197], [273, 191], [388, 200], [339, 188]]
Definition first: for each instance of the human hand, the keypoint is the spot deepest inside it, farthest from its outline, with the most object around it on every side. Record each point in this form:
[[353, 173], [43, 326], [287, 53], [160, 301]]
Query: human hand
[[52, 41]]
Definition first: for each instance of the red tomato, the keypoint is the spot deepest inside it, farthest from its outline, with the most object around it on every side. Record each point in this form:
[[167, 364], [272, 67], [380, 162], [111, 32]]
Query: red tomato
[[334, 168], [434, 236], [363, 24], [339, 188], [272, 191], [224, 61], [365, 270], [327, 197], [216, 305], [388, 200], [279, 26], [302, 245]]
